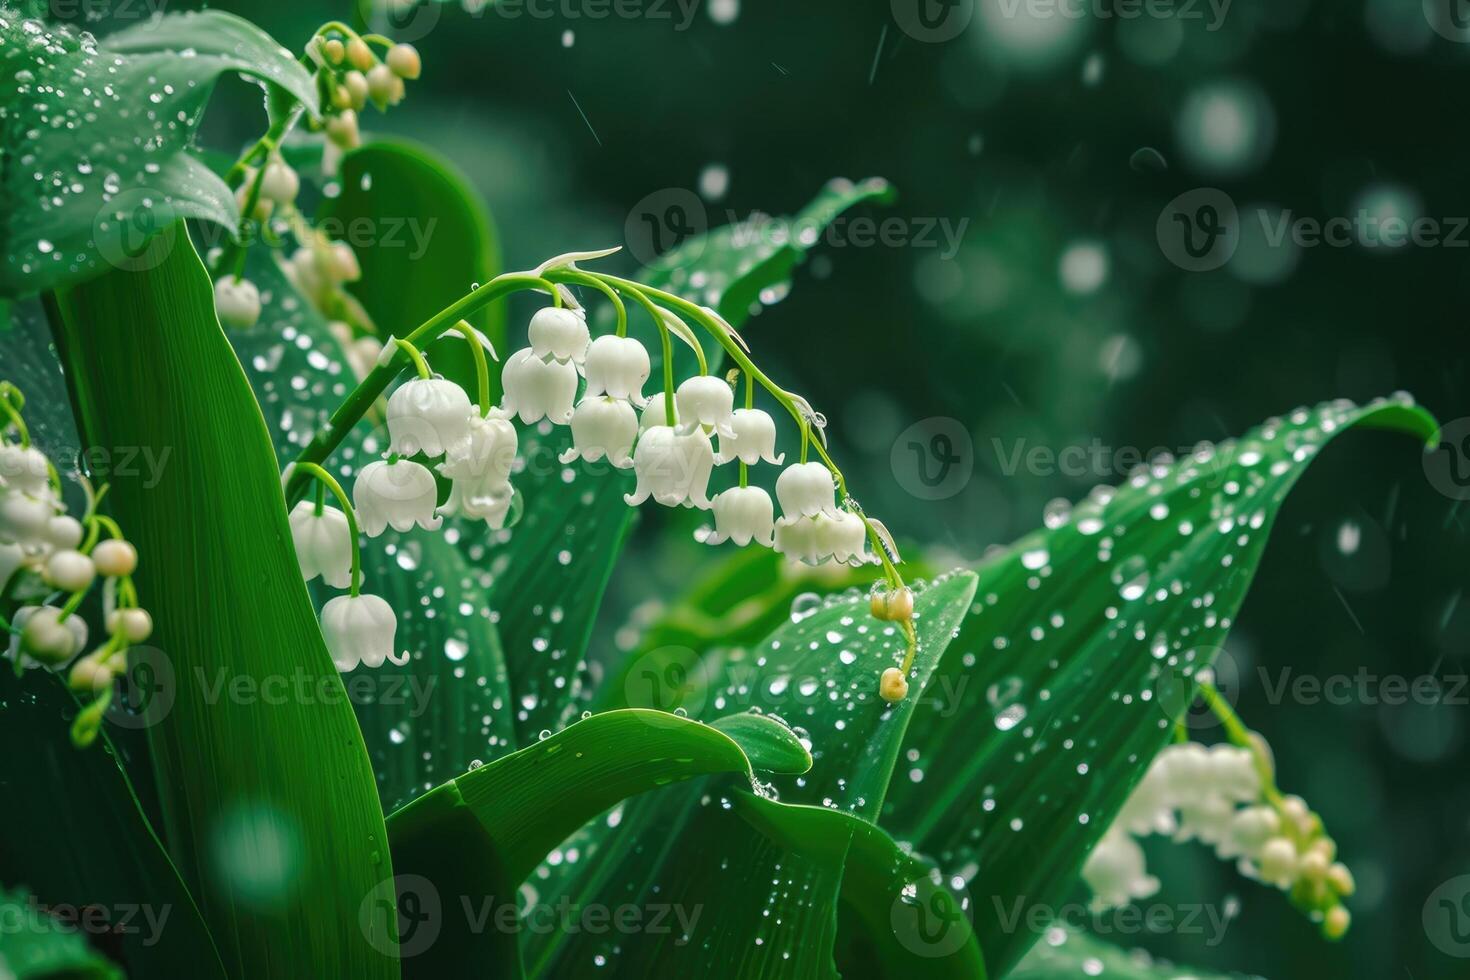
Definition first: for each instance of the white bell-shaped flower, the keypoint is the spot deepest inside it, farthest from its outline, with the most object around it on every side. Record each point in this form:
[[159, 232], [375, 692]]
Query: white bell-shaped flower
[[12, 558], [1250, 828], [482, 464], [656, 413], [401, 493], [843, 537], [1205, 818], [323, 543], [25, 518], [237, 302], [24, 468], [617, 366], [360, 629], [742, 515], [490, 503], [603, 426], [797, 539], [559, 333], [806, 490], [706, 400], [1117, 873], [537, 389], [1234, 774], [752, 438], [673, 467], [429, 416], [50, 640]]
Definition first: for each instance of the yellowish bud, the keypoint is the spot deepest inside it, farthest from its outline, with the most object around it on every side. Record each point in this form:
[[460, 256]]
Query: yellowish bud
[[1336, 924], [360, 54], [893, 686], [404, 60]]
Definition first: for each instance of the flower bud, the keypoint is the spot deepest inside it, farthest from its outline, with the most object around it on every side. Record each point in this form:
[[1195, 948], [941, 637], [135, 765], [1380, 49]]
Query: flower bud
[[280, 183], [334, 51], [47, 637], [341, 97], [342, 129], [1341, 880], [64, 531], [356, 84], [24, 518], [237, 302], [70, 571], [90, 673], [1278, 862], [895, 605], [381, 82], [25, 468], [893, 686], [115, 558], [360, 55], [404, 60], [135, 625], [1337, 922]]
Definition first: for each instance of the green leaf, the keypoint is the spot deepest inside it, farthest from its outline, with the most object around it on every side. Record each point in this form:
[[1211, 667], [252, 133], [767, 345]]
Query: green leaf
[[423, 237], [768, 906], [282, 843], [1070, 954], [474, 839], [115, 123], [576, 514], [35, 946], [428, 719], [1082, 651], [82, 840]]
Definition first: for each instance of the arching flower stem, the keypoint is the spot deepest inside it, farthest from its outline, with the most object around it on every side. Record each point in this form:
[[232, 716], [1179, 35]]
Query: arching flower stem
[[419, 364], [13, 411], [581, 278], [482, 370], [668, 347], [326, 479]]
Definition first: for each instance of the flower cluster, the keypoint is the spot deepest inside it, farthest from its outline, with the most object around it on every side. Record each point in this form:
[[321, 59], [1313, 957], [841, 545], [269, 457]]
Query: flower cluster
[[49, 561], [1219, 796], [352, 75], [673, 443]]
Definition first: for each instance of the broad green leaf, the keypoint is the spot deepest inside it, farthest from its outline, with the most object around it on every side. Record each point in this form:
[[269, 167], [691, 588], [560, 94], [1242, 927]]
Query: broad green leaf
[[1071, 954], [475, 838], [906, 921], [75, 835], [1081, 653], [575, 514], [282, 842], [423, 238], [768, 906], [34, 946], [428, 719], [97, 139]]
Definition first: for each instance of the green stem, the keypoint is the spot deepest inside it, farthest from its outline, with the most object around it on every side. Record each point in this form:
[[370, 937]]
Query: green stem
[[482, 370], [325, 478], [1241, 736], [16, 420], [419, 364], [583, 279]]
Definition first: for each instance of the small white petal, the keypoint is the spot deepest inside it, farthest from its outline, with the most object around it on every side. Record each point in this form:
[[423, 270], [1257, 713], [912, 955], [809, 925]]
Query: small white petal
[[359, 629]]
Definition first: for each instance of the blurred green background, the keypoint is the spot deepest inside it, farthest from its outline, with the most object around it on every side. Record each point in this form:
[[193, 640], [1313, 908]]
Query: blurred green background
[[1029, 302]]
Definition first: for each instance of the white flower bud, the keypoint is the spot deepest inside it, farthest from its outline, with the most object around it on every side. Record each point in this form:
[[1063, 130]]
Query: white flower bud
[[401, 493], [46, 637], [25, 468], [537, 389], [360, 629], [115, 557], [381, 85], [237, 301], [70, 571], [25, 518], [892, 685], [64, 531], [429, 416], [1250, 828], [603, 426], [706, 400], [559, 333], [404, 60], [344, 265], [752, 438], [323, 543], [673, 467], [806, 490], [135, 625], [742, 515], [356, 84], [1278, 862], [280, 183], [617, 366], [342, 127]]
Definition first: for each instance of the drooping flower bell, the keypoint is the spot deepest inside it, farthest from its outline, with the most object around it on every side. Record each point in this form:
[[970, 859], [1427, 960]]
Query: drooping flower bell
[[45, 637], [537, 388], [400, 493], [706, 400], [480, 474], [237, 302], [360, 629], [603, 426], [25, 518], [742, 515], [619, 367], [559, 333], [752, 438], [323, 543], [843, 537], [673, 466], [24, 468], [429, 416], [1117, 872], [806, 490]]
